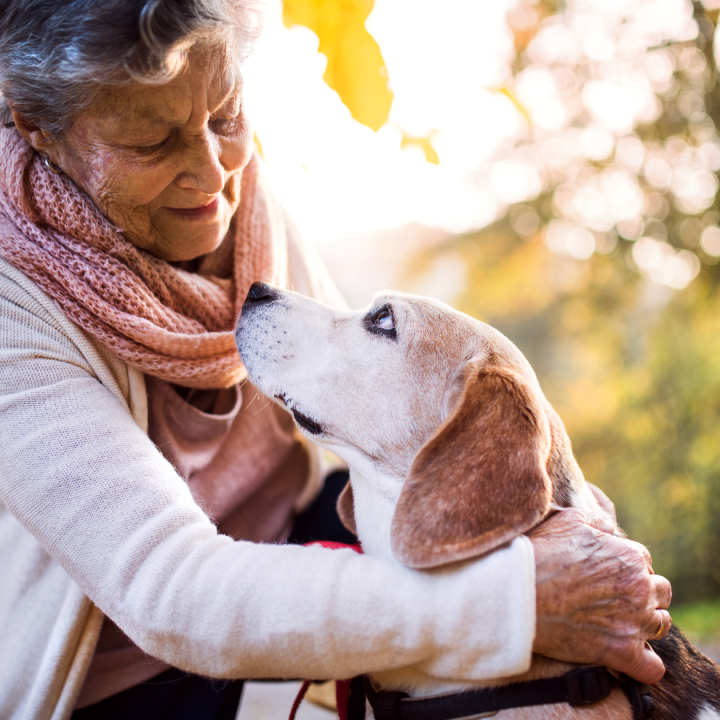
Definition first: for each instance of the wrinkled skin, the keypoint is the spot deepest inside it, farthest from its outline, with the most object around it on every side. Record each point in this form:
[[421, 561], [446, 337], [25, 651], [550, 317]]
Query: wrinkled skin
[[598, 600], [151, 156]]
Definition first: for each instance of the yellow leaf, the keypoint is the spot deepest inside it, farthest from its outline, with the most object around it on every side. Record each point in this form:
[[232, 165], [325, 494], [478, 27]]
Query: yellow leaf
[[424, 144], [355, 65], [508, 93]]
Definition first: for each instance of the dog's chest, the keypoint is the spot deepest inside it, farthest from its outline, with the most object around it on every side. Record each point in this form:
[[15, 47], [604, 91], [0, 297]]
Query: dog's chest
[[374, 503]]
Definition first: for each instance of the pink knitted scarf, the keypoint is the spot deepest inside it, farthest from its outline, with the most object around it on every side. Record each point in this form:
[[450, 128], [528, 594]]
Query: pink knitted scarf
[[167, 322]]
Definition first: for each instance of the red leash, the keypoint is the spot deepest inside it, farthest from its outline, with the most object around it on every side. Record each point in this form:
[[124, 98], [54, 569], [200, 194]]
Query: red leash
[[342, 687], [300, 697]]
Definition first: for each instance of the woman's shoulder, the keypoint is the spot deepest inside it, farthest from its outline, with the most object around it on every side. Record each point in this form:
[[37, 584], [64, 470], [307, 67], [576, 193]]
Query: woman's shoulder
[[33, 329], [30, 313], [19, 289], [29, 317]]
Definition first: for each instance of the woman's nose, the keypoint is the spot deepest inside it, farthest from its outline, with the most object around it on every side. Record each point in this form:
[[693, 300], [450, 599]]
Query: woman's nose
[[203, 171]]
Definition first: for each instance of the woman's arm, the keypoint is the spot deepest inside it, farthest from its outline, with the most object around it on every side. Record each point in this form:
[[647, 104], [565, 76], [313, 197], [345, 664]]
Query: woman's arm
[[102, 501]]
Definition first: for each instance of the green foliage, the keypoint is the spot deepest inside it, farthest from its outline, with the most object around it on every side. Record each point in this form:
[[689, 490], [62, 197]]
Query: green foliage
[[700, 621], [631, 365], [662, 448]]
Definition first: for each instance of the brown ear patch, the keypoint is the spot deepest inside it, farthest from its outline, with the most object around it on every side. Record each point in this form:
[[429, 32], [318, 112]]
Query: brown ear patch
[[481, 479], [346, 508]]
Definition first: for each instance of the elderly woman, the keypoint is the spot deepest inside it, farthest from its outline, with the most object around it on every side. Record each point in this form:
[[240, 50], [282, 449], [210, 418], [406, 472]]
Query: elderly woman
[[145, 493]]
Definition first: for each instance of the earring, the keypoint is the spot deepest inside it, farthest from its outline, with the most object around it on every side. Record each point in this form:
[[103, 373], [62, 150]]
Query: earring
[[51, 166]]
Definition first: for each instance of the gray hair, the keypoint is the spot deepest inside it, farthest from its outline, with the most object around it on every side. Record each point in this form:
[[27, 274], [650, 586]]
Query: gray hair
[[56, 55]]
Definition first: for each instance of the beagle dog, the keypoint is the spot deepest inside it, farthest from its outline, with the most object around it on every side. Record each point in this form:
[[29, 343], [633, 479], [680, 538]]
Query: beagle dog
[[453, 451]]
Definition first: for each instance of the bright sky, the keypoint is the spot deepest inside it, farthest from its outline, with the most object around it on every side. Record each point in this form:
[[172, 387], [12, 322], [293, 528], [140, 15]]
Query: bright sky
[[336, 176]]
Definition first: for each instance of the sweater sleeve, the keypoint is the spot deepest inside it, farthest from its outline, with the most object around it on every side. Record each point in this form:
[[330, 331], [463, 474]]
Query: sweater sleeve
[[77, 471]]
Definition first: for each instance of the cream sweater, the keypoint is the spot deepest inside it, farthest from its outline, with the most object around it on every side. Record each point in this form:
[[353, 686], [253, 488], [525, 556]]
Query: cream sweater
[[94, 520]]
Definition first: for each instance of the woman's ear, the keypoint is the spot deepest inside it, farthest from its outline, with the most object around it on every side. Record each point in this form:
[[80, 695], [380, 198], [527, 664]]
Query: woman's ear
[[481, 479], [38, 138]]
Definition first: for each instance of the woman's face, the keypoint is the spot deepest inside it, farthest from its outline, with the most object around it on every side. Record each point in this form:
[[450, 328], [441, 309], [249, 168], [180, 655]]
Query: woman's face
[[164, 162]]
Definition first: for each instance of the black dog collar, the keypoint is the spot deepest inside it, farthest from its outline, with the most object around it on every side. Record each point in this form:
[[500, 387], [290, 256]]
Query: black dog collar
[[584, 686]]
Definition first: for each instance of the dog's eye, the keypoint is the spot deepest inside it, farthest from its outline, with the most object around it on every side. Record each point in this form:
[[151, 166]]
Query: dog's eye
[[381, 322], [384, 320]]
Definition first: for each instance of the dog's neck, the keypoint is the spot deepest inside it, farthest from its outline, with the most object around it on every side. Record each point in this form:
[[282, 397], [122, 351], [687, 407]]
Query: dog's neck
[[374, 497]]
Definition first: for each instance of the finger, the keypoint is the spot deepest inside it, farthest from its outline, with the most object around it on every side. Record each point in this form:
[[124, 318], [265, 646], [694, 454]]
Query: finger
[[604, 501], [642, 552], [561, 520], [647, 668], [562, 516], [601, 523], [663, 624], [662, 591]]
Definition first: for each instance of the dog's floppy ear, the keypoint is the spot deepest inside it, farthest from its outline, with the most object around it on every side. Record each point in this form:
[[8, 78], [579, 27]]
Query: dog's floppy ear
[[481, 479]]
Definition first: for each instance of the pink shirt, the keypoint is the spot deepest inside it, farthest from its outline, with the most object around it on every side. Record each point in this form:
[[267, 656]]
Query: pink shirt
[[246, 466]]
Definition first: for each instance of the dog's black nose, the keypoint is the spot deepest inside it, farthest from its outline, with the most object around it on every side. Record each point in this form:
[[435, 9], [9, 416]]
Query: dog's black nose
[[261, 293]]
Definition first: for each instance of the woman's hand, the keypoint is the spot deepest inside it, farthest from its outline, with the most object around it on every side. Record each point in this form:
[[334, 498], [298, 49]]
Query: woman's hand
[[598, 600]]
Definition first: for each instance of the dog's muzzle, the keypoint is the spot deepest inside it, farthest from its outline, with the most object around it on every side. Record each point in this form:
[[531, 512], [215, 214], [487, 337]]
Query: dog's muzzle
[[260, 293]]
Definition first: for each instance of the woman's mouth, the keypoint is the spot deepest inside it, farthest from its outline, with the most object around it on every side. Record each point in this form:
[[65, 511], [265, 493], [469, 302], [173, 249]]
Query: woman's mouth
[[200, 212]]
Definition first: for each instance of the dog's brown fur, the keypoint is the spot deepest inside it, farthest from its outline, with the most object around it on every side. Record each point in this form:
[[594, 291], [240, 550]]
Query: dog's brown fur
[[691, 682], [457, 502]]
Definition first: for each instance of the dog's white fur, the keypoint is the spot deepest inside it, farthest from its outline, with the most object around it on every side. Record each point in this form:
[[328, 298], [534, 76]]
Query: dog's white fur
[[378, 400]]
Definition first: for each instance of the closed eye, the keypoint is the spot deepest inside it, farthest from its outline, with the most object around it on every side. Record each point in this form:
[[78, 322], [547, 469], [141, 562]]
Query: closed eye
[[150, 149], [381, 322], [227, 126]]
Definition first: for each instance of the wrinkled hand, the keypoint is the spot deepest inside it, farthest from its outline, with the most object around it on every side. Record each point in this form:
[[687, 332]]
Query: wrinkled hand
[[598, 600], [605, 503]]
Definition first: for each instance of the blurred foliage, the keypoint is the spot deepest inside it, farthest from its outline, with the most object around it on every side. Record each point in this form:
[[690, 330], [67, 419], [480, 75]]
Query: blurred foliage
[[699, 621], [633, 369], [603, 267], [355, 66], [627, 348]]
